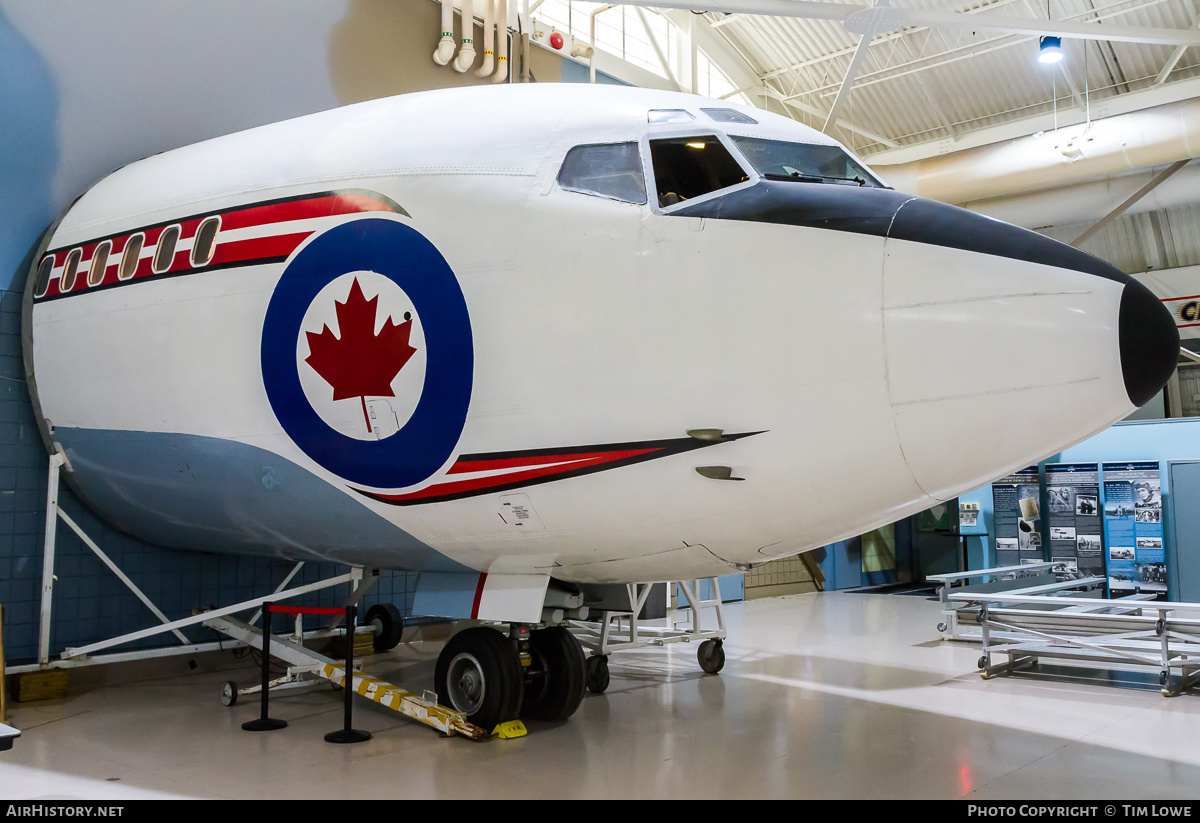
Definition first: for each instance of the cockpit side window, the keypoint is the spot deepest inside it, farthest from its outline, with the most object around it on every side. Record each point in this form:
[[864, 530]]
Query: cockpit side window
[[687, 167], [612, 170], [804, 162]]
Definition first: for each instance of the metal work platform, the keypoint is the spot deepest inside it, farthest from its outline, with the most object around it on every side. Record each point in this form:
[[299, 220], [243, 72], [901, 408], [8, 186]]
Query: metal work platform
[[1027, 618]]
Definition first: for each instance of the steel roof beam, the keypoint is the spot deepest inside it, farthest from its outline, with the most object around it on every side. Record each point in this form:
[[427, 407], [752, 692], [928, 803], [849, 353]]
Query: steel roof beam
[[1173, 60], [864, 44], [943, 20]]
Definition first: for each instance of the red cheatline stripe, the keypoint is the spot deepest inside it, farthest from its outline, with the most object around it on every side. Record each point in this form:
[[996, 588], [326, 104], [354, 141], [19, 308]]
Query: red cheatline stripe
[[462, 466], [1173, 299], [300, 210], [278, 246], [513, 477], [478, 595], [307, 609]]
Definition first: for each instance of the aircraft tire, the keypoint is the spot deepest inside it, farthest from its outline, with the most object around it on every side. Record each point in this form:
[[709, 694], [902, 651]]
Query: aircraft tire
[[711, 656], [559, 678], [479, 674], [391, 626]]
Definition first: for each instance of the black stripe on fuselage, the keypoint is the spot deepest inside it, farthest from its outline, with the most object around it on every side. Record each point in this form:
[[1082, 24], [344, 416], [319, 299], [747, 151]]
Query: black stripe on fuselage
[[892, 214]]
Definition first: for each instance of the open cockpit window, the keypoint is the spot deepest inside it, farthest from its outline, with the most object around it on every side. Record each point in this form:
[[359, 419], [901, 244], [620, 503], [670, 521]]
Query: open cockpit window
[[688, 167], [612, 170], [804, 162]]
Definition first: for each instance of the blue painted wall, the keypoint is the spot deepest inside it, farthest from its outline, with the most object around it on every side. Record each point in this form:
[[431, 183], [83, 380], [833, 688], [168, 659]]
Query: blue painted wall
[[1161, 440]]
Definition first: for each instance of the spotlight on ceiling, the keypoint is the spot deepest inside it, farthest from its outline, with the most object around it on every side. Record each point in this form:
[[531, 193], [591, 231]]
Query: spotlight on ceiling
[[1051, 49]]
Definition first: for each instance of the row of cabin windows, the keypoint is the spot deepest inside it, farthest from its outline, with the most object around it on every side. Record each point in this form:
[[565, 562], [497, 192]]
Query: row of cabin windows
[[164, 253], [688, 167]]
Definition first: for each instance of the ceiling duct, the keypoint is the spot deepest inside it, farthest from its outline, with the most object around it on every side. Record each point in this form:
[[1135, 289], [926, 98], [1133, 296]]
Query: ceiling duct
[[1053, 159]]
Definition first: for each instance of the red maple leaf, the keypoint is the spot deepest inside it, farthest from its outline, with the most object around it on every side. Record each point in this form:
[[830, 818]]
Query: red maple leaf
[[360, 363]]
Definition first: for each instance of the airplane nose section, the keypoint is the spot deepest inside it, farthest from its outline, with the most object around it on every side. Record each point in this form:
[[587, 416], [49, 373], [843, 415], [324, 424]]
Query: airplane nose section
[[1007, 346], [1149, 343]]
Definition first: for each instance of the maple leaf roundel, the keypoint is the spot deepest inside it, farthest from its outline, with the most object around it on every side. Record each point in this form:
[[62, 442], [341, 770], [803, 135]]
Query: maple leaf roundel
[[361, 353], [367, 356]]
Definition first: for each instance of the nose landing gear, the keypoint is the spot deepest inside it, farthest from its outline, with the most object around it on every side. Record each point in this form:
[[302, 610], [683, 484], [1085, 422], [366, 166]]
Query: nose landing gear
[[557, 679], [479, 673]]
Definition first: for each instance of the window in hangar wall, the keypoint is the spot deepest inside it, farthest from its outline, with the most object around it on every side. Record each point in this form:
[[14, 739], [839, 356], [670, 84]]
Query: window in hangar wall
[[619, 31]]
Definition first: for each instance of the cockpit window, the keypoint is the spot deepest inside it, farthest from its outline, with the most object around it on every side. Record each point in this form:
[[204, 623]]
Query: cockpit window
[[611, 170], [687, 167], [804, 162], [729, 116]]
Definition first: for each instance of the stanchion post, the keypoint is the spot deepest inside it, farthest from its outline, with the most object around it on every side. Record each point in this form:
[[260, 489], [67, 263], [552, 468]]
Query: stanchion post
[[265, 723], [347, 734]]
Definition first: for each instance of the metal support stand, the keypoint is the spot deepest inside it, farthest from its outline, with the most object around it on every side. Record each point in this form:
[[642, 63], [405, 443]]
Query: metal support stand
[[265, 723], [84, 656], [621, 630], [1133, 632]]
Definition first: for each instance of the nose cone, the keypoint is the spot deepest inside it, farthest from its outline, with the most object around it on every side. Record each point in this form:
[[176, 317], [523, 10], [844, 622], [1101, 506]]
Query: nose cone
[[1149, 343], [1002, 348]]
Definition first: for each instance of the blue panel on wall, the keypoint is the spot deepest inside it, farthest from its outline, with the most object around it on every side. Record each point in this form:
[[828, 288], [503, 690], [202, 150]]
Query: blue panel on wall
[[28, 151]]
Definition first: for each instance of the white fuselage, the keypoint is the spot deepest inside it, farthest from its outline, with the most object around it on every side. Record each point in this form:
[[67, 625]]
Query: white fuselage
[[879, 375]]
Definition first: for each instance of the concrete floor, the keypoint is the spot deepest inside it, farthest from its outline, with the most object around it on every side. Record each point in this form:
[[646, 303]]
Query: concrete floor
[[831, 695]]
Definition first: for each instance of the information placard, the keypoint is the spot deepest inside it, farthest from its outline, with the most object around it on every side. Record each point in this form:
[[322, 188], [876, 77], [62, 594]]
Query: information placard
[[1017, 517], [1073, 515], [1133, 528]]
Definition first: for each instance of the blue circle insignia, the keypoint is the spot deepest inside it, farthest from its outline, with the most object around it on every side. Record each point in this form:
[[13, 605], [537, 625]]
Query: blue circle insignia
[[409, 260]]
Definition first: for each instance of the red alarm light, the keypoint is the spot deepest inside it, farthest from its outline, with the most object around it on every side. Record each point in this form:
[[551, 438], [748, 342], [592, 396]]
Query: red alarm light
[[556, 40]]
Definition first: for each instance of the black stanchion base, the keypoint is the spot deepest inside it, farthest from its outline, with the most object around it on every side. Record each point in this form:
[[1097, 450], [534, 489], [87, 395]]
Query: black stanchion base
[[260, 725], [347, 736]]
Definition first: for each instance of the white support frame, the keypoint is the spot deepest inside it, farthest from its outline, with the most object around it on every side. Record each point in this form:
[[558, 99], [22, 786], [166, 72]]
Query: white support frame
[[82, 656], [622, 630]]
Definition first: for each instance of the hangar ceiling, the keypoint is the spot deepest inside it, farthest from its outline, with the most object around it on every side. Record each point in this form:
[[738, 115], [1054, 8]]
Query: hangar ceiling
[[919, 91], [924, 84]]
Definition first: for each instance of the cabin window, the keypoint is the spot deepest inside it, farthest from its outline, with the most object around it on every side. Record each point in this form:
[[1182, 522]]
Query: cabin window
[[804, 162], [67, 281], [206, 241], [611, 170], [687, 167], [165, 253], [99, 263], [43, 275], [669, 116], [131, 257], [729, 116]]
